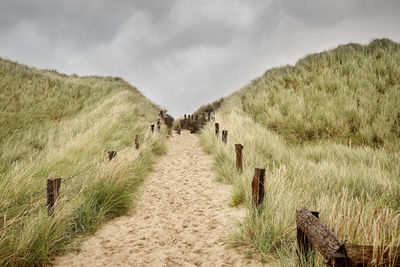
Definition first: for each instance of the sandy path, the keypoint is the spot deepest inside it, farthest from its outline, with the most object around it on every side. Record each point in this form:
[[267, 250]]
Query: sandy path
[[182, 218]]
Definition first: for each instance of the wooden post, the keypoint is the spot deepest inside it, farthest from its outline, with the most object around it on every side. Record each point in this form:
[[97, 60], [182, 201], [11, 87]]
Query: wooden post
[[258, 186], [137, 145], [224, 136], [209, 116], [53, 191], [152, 128], [216, 128], [204, 117], [111, 154], [320, 236], [303, 242], [239, 157], [161, 114]]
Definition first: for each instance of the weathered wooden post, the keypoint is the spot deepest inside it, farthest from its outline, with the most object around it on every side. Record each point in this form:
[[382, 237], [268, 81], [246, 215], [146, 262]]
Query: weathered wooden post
[[152, 128], [239, 157], [53, 191], [224, 136], [161, 114], [258, 186], [314, 232], [111, 154], [304, 244], [204, 117], [137, 145], [216, 128], [158, 125]]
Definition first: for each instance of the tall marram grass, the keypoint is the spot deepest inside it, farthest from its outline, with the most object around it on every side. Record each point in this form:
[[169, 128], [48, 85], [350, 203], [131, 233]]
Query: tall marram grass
[[298, 123], [54, 125]]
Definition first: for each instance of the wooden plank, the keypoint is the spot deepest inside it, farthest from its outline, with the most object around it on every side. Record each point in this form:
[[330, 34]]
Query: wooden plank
[[322, 238]]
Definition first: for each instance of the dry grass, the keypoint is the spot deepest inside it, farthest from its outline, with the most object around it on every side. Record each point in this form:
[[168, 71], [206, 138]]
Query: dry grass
[[53, 125], [296, 122]]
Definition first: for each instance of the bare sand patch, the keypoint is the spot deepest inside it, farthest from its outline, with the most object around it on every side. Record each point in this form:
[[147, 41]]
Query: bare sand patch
[[182, 218]]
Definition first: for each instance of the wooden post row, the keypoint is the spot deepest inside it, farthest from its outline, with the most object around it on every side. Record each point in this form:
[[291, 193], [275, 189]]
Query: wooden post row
[[137, 145], [216, 128], [53, 191], [258, 186], [111, 154], [239, 157]]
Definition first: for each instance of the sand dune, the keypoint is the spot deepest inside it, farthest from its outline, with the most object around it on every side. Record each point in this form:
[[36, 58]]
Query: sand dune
[[182, 218]]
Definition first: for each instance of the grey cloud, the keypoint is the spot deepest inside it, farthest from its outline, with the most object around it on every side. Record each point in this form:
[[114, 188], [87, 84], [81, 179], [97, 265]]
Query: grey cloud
[[180, 53]]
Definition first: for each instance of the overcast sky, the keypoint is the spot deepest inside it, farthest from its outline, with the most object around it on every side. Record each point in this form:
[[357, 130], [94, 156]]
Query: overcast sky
[[180, 53]]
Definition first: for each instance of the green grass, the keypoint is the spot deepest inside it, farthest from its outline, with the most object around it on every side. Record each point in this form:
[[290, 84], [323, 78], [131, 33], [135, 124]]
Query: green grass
[[327, 132], [54, 125]]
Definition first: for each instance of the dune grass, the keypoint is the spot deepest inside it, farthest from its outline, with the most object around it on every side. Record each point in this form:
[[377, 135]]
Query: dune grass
[[326, 131], [54, 125]]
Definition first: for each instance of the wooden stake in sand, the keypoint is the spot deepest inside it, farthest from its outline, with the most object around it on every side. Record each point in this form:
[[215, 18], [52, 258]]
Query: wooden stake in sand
[[111, 154], [216, 128], [239, 157], [152, 128], [137, 145], [258, 186], [224, 136], [53, 191]]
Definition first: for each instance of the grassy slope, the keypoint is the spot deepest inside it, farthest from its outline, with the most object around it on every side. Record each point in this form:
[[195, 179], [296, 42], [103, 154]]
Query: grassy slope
[[327, 131], [54, 125]]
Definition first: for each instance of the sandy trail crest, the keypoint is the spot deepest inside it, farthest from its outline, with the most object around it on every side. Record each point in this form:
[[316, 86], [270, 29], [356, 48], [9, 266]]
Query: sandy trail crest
[[182, 218]]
